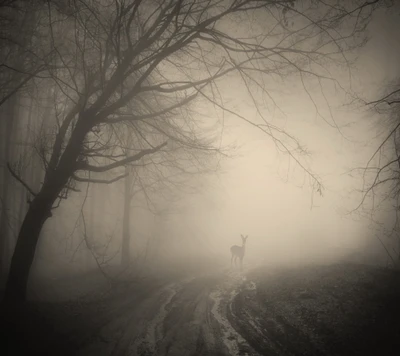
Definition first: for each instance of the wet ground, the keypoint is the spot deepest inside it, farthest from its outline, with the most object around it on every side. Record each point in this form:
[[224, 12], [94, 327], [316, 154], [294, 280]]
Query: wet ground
[[342, 309], [165, 316], [186, 317], [335, 310]]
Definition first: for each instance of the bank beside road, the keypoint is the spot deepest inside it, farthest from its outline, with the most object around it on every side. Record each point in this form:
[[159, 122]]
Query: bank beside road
[[342, 309]]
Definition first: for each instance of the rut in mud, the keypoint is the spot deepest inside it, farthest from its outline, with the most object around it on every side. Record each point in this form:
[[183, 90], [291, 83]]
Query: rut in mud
[[184, 318]]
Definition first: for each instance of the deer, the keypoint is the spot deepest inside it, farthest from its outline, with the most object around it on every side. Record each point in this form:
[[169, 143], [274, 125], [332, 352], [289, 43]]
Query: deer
[[238, 251]]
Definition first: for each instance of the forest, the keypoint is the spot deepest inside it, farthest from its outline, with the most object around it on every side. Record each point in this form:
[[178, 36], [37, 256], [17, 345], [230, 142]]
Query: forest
[[199, 177]]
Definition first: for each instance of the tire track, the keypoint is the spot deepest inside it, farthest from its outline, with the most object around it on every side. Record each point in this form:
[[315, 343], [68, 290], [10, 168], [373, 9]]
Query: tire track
[[183, 318]]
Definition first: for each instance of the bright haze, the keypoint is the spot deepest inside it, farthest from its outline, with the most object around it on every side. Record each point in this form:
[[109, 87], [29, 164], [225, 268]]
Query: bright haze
[[259, 191], [261, 194]]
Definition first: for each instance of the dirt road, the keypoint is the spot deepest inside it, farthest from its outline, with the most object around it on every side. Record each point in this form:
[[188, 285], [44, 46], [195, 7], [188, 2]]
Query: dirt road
[[188, 317], [316, 310]]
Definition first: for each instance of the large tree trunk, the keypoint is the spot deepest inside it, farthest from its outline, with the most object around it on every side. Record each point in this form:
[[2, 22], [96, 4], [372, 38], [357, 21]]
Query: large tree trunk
[[17, 55], [126, 233], [38, 212]]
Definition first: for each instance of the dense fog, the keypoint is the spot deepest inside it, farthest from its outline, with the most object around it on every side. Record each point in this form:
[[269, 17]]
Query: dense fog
[[189, 177], [253, 189]]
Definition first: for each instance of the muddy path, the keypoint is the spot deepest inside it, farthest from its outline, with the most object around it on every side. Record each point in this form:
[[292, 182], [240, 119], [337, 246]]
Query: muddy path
[[186, 317], [316, 310]]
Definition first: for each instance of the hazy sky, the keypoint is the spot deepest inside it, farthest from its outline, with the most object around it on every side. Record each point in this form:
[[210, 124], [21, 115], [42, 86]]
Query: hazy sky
[[259, 193], [253, 198]]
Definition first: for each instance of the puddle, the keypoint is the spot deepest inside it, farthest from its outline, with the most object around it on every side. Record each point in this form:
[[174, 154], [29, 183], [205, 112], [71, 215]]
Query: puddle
[[222, 298], [147, 342]]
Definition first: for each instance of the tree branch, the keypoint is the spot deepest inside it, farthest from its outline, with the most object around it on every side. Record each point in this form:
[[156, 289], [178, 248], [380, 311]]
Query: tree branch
[[98, 181], [19, 179], [87, 167]]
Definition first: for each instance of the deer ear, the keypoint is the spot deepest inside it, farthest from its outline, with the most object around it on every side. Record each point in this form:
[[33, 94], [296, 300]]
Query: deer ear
[[242, 236]]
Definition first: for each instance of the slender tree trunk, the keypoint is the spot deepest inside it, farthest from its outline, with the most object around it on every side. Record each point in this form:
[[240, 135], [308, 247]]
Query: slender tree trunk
[[22, 202], [5, 208], [126, 234], [91, 232], [398, 250], [155, 239]]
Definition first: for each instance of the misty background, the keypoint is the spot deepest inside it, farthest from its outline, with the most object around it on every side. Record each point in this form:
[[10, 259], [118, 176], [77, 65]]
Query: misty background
[[255, 190]]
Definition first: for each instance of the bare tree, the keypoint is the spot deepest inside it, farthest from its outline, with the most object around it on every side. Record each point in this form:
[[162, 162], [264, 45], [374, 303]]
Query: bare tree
[[110, 57], [381, 174]]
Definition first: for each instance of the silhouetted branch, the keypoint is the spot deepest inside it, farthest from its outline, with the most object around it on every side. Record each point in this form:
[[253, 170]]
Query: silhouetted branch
[[98, 181], [87, 167], [19, 179], [130, 117], [385, 99]]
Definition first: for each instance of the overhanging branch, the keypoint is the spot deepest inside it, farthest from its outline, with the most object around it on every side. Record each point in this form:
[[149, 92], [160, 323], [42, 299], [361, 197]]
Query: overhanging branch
[[136, 157], [99, 181], [131, 117]]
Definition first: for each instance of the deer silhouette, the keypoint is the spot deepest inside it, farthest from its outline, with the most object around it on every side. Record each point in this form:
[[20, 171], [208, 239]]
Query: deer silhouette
[[238, 251]]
